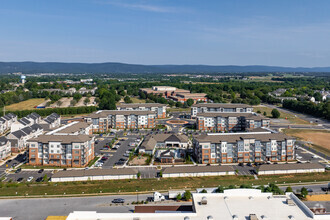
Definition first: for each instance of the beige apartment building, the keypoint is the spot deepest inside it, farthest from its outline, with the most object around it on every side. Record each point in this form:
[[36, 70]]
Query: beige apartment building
[[220, 107], [121, 119], [159, 109], [243, 147], [61, 150]]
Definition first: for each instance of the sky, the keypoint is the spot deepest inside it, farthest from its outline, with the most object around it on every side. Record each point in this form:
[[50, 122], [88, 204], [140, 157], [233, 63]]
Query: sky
[[292, 33]]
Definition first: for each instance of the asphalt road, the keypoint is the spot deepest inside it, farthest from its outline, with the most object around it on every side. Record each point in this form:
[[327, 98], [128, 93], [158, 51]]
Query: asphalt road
[[40, 208]]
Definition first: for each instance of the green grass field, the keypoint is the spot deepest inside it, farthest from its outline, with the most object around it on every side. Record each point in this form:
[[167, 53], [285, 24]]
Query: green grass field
[[25, 105], [115, 186], [291, 118], [137, 100]]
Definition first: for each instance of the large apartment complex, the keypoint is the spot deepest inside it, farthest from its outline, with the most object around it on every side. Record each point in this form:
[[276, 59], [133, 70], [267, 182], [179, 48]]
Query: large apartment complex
[[222, 121], [61, 150], [243, 147], [220, 107], [159, 109], [121, 119]]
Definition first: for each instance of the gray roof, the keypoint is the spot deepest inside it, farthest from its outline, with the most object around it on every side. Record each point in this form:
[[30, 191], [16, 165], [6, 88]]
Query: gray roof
[[197, 169], [18, 134], [74, 128], [24, 121], [27, 130], [95, 172], [66, 139], [234, 114], [151, 140], [136, 105], [106, 113], [3, 140], [36, 127], [233, 138], [290, 166], [222, 105]]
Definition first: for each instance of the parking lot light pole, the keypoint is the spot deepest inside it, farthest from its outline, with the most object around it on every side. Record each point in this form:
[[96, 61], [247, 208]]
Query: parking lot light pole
[[137, 196]]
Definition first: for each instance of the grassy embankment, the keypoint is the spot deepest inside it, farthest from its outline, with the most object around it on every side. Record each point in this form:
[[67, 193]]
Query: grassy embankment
[[116, 186]]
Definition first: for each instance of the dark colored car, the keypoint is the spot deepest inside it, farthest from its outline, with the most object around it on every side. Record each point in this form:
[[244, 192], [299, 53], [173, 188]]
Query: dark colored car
[[122, 159], [19, 179], [104, 158], [18, 170], [8, 161], [119, 163], [41, 170], [241, 164], [39, 179], [118, 200]]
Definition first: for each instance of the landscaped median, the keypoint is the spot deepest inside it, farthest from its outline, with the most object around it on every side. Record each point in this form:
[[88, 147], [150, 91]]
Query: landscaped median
[[145, 185]]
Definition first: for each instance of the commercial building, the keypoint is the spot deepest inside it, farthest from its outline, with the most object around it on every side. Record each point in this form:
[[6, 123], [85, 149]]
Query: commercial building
[[94, 174], [220, 107], [232, 204], [221, 121], [163, 141], [269, 169], [61, 150], [165, 91], [243, 147], [159, 109], [104, 120], [5, 148], [183, 97]]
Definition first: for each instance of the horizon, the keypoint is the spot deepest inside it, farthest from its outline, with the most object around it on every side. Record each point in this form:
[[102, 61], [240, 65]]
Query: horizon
[[239, 33]]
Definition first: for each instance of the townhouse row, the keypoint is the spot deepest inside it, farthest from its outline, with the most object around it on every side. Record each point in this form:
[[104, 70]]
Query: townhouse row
[[6, 121], [105, 120], [243, 147], [71, 145], [227, 122]]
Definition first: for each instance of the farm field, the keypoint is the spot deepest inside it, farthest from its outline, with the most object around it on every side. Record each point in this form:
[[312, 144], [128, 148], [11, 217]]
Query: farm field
[[24, 105], [319, 138]]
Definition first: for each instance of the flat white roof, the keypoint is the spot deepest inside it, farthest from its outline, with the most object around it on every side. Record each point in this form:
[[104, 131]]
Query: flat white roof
[[238, 202]]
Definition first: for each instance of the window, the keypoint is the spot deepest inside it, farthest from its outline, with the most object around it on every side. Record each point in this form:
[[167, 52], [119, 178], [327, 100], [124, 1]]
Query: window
[[32, 150], [206, 151], [76, 157]]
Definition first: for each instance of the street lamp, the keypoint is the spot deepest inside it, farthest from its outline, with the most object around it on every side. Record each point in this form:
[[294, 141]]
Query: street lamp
[[137, 196]]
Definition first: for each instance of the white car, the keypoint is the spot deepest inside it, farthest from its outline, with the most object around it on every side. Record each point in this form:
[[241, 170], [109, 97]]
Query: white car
[[315, 156], [29, 179]]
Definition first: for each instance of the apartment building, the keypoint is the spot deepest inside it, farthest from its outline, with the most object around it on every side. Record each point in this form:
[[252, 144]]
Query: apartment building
[[73, 128], [243, 147], [159, 109], [222, 122], [51, 121], [26, 121], [61, 150], [220, 107], [6, 122], [5, 148], [121, 119]]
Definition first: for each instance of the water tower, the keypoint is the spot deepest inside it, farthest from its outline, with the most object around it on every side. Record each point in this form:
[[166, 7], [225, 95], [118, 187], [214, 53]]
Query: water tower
[[23, 79]]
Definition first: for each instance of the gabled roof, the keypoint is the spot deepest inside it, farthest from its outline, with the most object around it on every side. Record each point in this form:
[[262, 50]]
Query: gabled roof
[[24, 121], [167, 153], [19, 134], [27, 130], [36, 127], [3, 140], [173, 138]]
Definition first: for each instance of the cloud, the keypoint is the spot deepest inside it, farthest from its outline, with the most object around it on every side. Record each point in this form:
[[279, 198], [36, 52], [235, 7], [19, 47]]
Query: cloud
[[144, 7]]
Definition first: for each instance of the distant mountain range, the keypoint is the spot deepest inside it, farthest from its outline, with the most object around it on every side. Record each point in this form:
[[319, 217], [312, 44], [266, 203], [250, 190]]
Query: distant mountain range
[[57, 67]]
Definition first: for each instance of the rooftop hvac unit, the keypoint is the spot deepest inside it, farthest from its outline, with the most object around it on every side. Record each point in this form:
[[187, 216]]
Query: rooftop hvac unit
[[290, 202], [210, 217], [186, 218], [264, 217], [291, 217], [253, 217], [204, 201], [250, 197], [235, 217]]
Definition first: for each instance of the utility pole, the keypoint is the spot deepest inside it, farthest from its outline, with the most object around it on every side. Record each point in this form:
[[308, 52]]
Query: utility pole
[[4, 110]]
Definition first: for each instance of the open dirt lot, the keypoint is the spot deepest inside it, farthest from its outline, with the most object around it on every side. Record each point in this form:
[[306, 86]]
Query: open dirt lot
[[322, 197], [138, 161], [316, 137]]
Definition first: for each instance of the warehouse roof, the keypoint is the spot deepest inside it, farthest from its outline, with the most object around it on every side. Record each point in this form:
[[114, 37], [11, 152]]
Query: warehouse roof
[[197, 169], [95, 172], [290, 166]]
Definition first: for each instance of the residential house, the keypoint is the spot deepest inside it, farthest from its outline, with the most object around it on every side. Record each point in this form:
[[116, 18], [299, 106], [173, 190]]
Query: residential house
[[5, 148]]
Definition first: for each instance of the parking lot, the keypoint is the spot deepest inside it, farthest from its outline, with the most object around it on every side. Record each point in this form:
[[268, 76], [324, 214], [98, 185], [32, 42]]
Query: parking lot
[[26, 174]]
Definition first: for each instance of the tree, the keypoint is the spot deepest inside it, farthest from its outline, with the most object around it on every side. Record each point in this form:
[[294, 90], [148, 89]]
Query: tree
[[220, 189], [127, 99], [138, 175], [45, 178], [187, 195], [86, 101], [204, 191], [288, 189], [265, 113], [275, 113], [190, 102], [304, 192], [73, 102], [179, 197], [178, 105]]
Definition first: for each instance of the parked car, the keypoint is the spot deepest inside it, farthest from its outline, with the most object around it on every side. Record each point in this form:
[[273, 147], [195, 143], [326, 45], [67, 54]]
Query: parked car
[[41, 170], [39, 179], [309, 190], [104, 158], [18, 170], [20, 179], [122, 159], [119, 200], [29, 179]]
